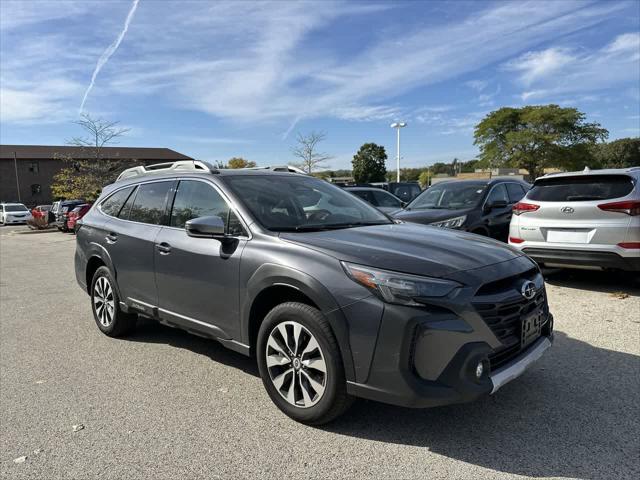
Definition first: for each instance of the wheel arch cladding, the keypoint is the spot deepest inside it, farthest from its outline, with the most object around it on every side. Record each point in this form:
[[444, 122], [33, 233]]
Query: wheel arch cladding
[[271, 285], [94, 263]]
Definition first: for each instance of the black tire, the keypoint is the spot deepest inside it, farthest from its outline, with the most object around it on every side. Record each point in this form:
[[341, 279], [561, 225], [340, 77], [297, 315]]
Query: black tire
[[334, 400], [111, 321]]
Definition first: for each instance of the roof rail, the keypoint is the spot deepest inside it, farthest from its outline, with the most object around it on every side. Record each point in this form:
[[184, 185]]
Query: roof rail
[[279, 168], [167, 167]]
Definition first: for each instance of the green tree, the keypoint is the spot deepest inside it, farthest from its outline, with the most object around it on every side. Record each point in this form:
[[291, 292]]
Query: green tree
[[239, 162], [425, 178], [369, 164], [621, 153], [535, 137]]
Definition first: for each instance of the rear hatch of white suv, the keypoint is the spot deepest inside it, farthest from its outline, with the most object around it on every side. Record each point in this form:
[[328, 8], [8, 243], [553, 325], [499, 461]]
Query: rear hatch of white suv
[[589, 220]]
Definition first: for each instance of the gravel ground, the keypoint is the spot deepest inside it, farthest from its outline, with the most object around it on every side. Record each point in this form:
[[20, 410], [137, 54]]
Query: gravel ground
[[165, 404]]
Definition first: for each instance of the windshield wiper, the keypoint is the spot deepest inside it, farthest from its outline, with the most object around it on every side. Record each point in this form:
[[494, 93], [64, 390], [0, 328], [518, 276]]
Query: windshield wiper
[[328, 226]]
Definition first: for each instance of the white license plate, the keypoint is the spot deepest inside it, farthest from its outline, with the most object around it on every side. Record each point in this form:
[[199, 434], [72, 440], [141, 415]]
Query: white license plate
[[568, 236]]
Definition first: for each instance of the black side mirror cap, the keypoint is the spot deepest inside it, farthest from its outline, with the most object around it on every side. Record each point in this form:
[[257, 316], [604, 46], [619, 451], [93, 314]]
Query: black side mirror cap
[[205, 227]]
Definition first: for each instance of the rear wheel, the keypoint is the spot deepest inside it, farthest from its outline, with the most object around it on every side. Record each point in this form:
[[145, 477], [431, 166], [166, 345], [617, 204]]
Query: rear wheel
[[109, 317], [300, 364]]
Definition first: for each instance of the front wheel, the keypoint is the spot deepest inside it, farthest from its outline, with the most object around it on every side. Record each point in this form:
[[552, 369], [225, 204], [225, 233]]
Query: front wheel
[[109, 317], [300, 364]]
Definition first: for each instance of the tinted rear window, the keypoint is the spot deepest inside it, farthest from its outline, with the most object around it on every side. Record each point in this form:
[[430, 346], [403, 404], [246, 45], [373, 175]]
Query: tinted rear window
[[577, 189], [112, 205], [150, 203]]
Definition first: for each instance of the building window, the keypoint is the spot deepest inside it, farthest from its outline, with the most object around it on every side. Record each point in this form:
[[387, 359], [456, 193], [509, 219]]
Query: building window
[[34, 167], [36, 188]]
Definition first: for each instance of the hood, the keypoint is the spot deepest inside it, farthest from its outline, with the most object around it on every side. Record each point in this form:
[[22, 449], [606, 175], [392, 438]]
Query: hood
[[407, 247], [429, 215]]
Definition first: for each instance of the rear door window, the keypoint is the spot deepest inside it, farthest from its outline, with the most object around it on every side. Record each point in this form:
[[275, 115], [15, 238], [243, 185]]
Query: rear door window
[[516, 192], [112, 205], [581, 189], [150, 203]]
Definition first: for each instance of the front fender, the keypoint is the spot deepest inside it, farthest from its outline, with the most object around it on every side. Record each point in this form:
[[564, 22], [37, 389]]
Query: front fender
[[268, 275]]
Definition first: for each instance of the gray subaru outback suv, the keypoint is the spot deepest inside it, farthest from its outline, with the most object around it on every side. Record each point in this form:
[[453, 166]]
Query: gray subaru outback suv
[[333, 298]]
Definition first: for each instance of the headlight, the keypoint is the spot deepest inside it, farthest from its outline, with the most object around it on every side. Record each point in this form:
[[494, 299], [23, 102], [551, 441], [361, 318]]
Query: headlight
[[455, 222], [400, 288]]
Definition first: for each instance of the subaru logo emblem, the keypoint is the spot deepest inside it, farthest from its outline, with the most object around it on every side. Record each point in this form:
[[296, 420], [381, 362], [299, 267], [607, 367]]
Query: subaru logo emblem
[[528, 290], [567, 210]]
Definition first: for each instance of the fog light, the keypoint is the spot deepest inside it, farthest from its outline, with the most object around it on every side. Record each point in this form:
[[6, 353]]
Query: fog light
[[479, 370]]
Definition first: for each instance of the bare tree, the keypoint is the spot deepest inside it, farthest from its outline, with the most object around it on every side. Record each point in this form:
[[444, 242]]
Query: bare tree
[[99, 133], [306, 151], [84, 176]]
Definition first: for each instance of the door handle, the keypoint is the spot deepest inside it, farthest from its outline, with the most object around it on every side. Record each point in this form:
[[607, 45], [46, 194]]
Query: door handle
[[164, 248], [111, 238]]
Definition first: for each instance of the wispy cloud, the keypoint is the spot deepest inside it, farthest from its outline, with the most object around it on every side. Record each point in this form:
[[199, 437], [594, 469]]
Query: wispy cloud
[[559, 70], [248, 62], [111, 49]]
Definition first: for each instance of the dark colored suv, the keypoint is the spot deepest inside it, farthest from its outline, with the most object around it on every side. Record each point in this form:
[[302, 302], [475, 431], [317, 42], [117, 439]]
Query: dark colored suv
[[332, 298], [477, 206]]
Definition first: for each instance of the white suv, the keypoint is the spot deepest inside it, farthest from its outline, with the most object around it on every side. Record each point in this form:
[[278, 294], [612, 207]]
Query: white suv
[[587, 219]]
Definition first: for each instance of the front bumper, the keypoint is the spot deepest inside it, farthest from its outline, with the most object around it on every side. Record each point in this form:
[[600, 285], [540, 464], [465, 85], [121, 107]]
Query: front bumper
[[16, 220], [428, 356]]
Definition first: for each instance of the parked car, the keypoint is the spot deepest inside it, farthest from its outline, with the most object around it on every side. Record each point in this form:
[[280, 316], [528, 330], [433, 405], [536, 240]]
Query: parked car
[[405, 191], [61, 211], [14, 213], [482, 207], [379, 198], [332, 304], [39, 217], [76, 214], [587, 219]]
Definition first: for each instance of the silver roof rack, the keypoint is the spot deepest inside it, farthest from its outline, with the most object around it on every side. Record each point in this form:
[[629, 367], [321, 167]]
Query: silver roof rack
[[279, 168], [168, 167]]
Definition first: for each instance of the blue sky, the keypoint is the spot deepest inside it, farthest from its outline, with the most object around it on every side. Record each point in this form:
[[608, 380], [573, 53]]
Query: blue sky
[[221, 79]]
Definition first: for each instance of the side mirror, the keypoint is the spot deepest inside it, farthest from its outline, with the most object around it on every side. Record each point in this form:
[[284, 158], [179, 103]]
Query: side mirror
[[496, 204], [205, 227]]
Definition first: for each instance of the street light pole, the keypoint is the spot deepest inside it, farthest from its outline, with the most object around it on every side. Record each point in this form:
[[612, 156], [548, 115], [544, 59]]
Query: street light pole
[[398, 126], [15, 166]]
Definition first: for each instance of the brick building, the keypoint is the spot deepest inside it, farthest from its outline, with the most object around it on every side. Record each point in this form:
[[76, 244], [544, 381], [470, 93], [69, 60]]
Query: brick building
[[26, 171]]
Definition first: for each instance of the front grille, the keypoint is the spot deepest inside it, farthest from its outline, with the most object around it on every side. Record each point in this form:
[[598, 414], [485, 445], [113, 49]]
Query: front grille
[[505, 321]]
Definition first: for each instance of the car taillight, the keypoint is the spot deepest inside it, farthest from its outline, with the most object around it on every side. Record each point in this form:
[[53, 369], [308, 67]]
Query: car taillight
[[516, 240], [629, 245], [630, 207], [522, 207]]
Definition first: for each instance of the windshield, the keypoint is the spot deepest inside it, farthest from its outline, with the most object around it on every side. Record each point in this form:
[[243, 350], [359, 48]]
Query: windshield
[[300, 203], [449, 196], [14, 208]]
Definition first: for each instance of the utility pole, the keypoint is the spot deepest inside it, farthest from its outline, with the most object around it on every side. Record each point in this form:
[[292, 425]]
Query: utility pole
[[15, 166], [398, 126]]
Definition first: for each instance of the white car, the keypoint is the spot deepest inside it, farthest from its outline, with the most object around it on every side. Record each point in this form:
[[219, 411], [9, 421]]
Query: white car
[[11, 213], [588, 219]]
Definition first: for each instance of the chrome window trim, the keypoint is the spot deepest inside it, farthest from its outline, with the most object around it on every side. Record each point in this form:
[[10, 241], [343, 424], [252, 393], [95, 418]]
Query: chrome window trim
[[225, 197]]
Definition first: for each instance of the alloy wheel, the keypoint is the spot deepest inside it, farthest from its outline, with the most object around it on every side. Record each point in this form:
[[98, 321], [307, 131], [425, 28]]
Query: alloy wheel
[[103, 301], [296, 364]]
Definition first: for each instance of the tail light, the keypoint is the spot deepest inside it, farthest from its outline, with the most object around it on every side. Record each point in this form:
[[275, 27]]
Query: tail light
[[629, 245], [522, 207], [515, 240], [630, 207]]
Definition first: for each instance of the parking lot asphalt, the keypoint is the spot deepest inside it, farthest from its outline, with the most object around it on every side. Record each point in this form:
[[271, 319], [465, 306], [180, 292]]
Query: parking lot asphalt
[[163, 404]]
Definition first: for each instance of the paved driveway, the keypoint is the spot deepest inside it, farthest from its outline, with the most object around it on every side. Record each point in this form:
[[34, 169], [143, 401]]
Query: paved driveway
[[165, 404]]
